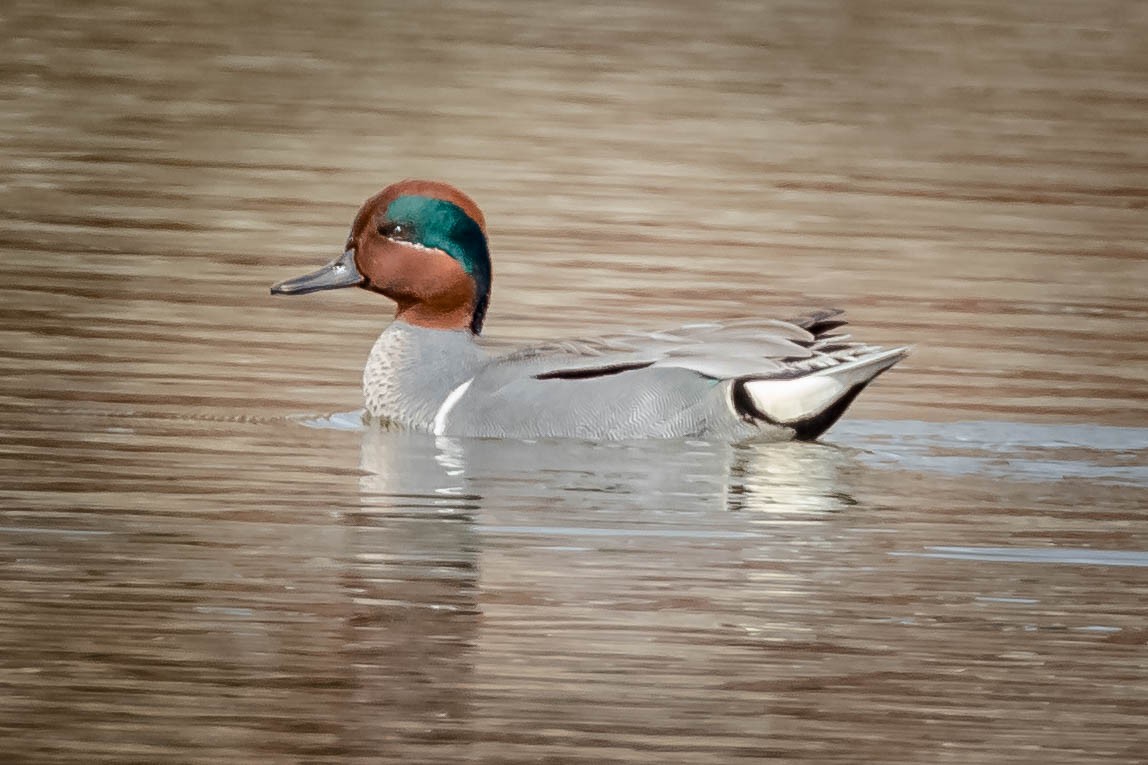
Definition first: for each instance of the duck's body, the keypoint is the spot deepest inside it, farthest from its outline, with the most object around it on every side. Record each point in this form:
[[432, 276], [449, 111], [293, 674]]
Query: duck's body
[[657, 385], [423, 244]]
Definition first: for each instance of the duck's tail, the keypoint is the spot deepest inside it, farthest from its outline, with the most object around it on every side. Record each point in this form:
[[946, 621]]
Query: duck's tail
[[812, 402]]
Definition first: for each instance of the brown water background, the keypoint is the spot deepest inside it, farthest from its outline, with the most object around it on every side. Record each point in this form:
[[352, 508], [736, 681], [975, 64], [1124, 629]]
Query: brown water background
[[203, 558]]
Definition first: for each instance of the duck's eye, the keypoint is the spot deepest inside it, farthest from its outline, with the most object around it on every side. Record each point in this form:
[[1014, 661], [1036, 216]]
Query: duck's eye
[[394, 230]]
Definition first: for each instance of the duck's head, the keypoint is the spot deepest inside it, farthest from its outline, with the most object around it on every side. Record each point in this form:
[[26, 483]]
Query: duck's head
[[423, 245]]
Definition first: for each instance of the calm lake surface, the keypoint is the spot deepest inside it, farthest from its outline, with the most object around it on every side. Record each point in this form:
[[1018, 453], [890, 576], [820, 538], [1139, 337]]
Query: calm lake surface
[[205, 558]]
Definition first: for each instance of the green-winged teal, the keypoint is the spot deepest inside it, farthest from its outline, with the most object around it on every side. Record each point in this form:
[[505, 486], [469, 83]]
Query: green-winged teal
[[423, 245]]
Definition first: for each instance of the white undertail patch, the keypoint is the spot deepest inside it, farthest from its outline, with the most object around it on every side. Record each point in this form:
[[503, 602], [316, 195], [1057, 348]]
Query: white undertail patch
[[799, 398], [796, 399]]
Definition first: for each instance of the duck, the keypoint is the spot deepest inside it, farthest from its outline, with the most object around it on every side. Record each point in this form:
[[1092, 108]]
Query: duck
[[423, 244]]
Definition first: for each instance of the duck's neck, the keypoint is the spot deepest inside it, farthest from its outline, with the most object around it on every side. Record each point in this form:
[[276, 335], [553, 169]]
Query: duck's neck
[[413, 369]]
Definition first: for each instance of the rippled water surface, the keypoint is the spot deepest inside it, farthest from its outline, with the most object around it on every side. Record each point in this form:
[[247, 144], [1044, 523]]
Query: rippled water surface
[[204, 556]]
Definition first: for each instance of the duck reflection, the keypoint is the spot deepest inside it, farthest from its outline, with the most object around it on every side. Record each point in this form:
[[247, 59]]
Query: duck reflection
[[413, 578], [452, 532], [456, 477], [788, 478]]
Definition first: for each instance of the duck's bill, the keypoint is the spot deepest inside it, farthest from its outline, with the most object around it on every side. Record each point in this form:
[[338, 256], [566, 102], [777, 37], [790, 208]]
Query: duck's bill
[[340, 272]]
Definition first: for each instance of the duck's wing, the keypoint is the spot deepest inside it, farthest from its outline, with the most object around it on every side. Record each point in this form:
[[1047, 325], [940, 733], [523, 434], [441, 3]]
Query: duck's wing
[[761, 348], [781, 376]]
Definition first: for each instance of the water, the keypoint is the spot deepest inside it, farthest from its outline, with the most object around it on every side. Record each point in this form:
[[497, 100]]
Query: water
[[204, 557]]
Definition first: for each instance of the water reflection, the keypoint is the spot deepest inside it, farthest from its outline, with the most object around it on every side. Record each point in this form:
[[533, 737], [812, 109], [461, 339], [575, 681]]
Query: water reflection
[[451, 597], [551, 518], [464, 475], [412, 577]]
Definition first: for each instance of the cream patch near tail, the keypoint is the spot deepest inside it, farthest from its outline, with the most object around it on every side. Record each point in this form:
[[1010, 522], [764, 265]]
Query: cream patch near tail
[[799, 399]]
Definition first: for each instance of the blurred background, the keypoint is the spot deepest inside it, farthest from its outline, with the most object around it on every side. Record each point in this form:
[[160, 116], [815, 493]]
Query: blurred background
[[191, 572], [964, 177]]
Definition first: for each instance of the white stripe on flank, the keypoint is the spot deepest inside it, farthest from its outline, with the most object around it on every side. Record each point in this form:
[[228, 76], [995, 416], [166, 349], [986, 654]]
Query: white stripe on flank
[[444, 410]]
